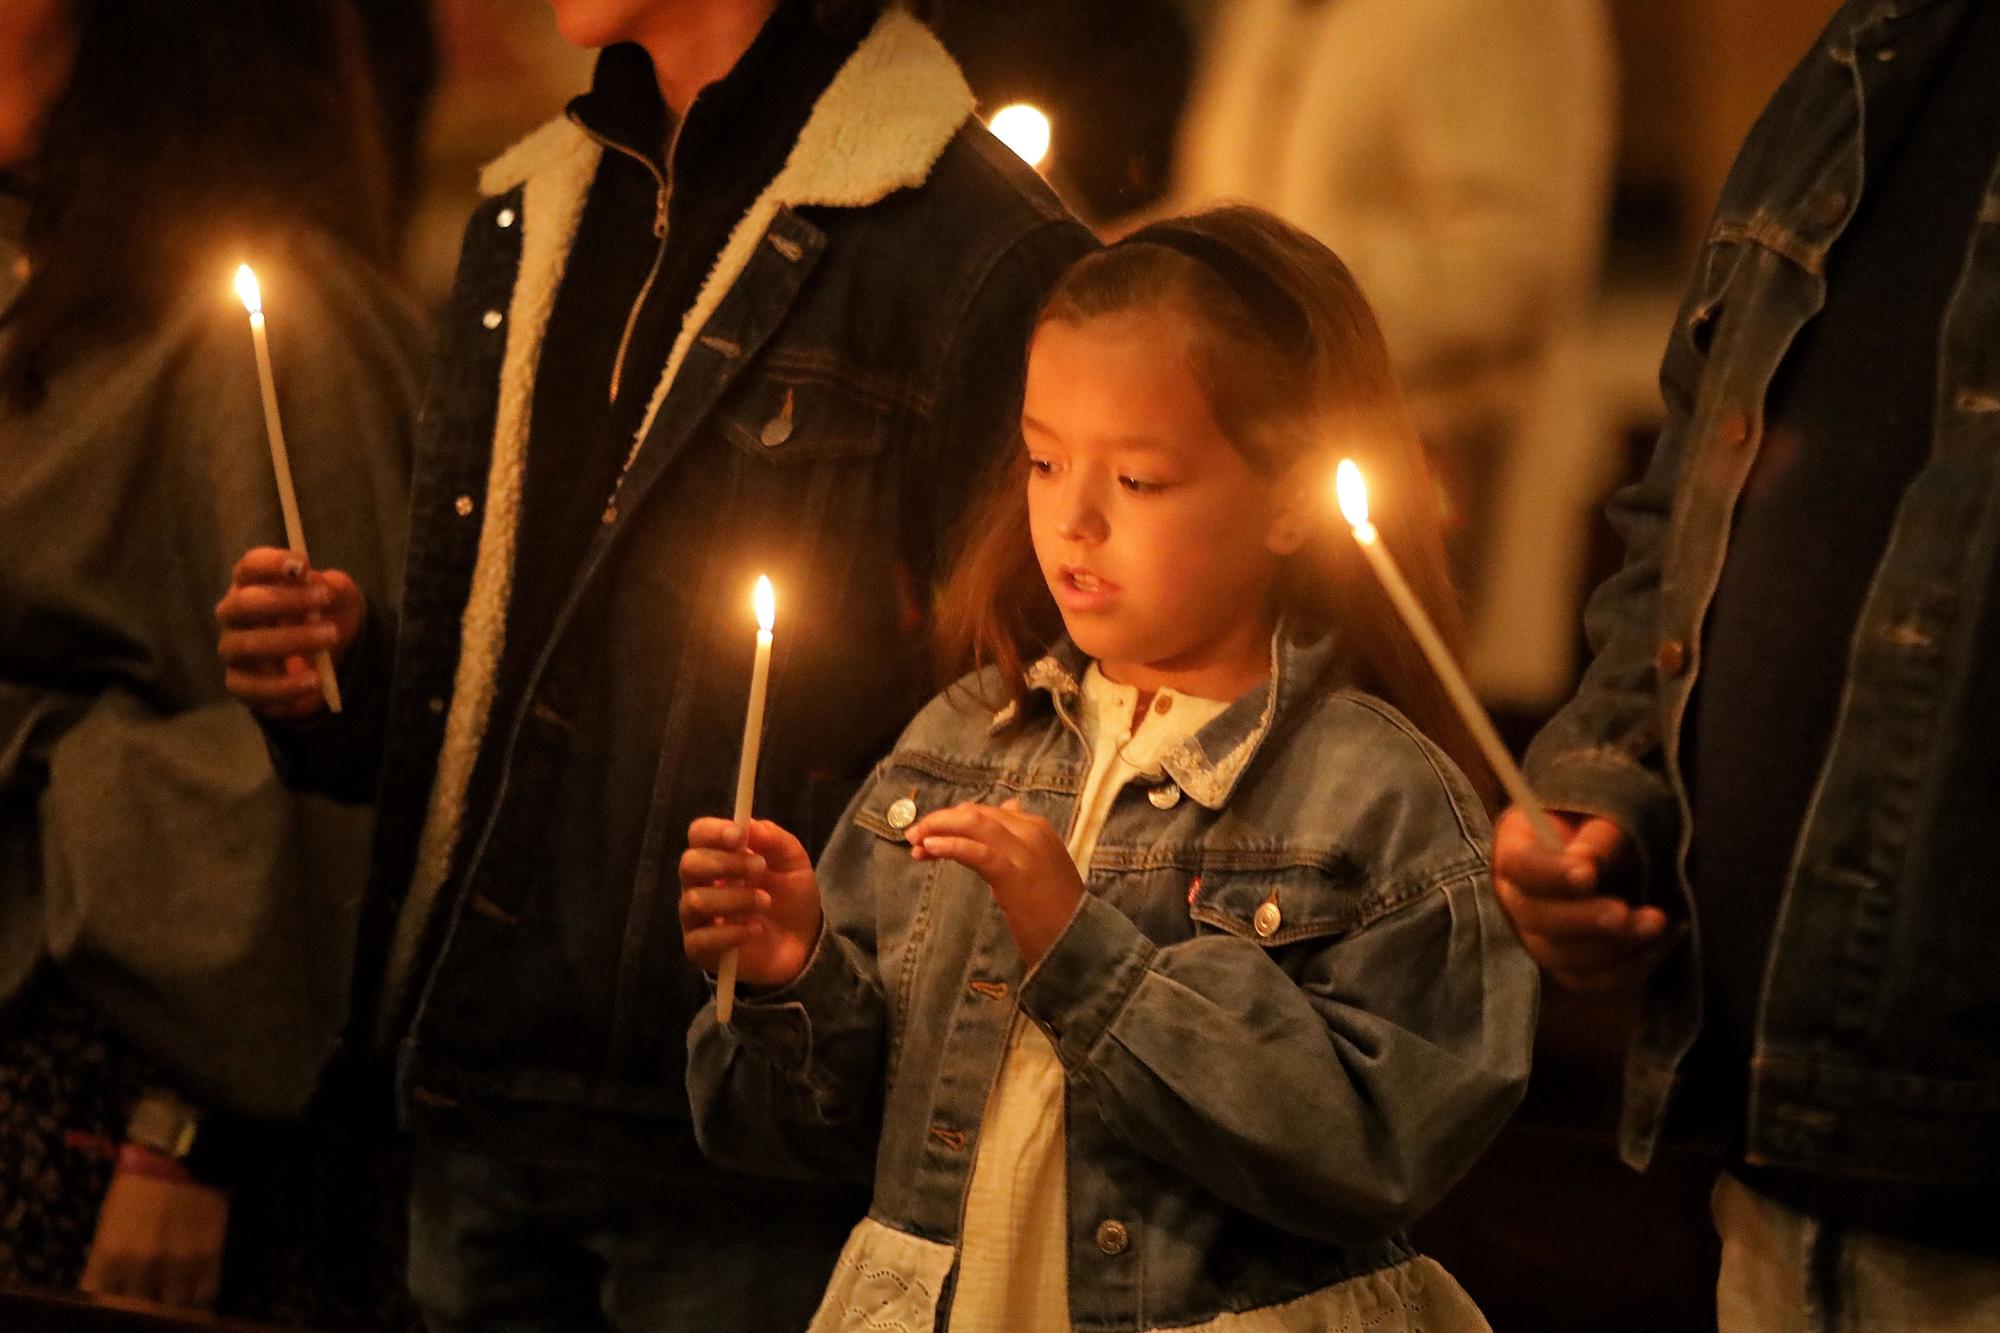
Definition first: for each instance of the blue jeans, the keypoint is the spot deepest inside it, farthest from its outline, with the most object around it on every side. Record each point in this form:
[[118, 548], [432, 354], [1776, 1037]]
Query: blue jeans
[[498, 1245], [1787, 1272]]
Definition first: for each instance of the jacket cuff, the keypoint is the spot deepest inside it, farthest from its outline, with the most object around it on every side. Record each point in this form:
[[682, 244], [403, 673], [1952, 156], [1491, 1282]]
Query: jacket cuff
[[1087, 977], [1606, 784], [777, 1023], [338, 756]]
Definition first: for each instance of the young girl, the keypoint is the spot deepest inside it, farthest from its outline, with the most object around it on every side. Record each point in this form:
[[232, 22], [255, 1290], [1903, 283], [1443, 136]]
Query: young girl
[[1156, 977]]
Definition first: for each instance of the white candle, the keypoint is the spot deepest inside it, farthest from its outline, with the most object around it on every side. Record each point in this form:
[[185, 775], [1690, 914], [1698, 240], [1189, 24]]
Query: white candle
[[274, 434], [746, 768], [1353, 492]]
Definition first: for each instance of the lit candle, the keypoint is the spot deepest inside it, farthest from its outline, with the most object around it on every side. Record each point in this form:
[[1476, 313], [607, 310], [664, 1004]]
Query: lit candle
[[1025, 129], [766, 603], [281, 463], [1353, 493]]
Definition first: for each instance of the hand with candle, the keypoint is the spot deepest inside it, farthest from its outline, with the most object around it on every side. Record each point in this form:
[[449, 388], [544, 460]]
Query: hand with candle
[[758, 900], [1020, 856], [275, 618], [1585, 938]]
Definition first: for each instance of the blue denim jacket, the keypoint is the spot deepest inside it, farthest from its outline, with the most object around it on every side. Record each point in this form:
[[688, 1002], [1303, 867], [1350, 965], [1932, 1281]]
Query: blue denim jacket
[[1261, 1112], [1875, 1048]]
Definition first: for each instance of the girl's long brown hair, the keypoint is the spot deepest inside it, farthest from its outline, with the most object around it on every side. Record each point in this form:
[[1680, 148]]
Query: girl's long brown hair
[[1292, 413]]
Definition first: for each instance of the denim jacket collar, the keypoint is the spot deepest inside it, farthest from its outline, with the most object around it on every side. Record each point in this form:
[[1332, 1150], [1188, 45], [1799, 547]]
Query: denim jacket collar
[[1208, 764]]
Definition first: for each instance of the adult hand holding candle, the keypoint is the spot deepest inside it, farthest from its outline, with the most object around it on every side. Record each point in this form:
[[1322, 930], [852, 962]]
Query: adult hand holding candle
[[766, 604], [1353, 495], [252, 296]]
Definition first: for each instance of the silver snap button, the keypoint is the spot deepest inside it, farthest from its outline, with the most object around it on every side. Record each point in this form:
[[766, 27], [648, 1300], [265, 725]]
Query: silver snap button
[[1165, 796], [1267, 919], [902, 813], [1112, 1237], [435, 704], [491, 319], [505, 217], [463, 504], [776, 431]]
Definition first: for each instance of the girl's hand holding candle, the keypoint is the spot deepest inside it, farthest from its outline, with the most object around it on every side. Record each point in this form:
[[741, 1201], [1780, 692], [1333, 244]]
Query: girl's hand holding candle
[[252, 296], [748, 893]]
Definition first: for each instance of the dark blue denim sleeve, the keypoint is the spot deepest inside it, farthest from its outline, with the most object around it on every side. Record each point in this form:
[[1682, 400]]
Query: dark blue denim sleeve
[[1604, 752], [341, 756]]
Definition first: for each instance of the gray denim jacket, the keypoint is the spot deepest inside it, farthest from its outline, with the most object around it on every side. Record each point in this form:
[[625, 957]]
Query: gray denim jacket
[[1255, 1109], [1875, 1047]]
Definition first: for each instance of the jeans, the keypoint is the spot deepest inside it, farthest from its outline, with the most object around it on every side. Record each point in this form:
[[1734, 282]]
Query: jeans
[[498, 1245], [1789, 1272]]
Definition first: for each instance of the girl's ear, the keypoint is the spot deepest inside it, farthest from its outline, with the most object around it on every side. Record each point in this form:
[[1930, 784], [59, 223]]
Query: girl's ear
[[1297, 509]]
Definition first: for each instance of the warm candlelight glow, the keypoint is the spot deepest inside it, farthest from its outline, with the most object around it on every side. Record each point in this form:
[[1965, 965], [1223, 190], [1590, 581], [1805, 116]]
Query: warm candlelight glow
[[1025, 129], [1353, 493], [247, 290], [766, 603]]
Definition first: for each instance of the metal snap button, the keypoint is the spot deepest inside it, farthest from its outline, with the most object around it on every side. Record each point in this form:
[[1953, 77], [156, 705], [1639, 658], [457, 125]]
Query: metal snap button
[[491, 319], [463, 505], [435, 704], [1267, 918], [1112, 1237], [505, 217], [902, 813], [1165, 796]]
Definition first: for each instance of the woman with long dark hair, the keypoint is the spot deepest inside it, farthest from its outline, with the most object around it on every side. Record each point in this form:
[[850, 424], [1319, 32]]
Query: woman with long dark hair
[[175, 927]]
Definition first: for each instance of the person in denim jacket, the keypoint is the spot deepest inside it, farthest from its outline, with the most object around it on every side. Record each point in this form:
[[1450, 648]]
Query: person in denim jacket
[[754, 304], [1783, 762], [1213, 1085]]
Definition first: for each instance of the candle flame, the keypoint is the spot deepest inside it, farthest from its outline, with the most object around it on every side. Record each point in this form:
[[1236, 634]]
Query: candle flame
[[1025, 129], [1353, 493], [766, 603], [248, 291]]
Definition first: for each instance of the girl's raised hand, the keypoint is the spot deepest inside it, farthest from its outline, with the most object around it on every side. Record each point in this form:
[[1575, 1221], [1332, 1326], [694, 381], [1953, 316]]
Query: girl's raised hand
[[1021, 858], [760, 898]]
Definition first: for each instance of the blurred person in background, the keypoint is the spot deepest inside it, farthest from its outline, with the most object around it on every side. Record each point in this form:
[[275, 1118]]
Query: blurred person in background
[[176, 928], [1782, 768], [1457, 153], [757, 303]]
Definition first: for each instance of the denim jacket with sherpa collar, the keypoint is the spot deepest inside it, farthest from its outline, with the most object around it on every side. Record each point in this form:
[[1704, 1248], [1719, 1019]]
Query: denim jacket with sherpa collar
[[1289, 1010], [849, 367], [1875, 1053]]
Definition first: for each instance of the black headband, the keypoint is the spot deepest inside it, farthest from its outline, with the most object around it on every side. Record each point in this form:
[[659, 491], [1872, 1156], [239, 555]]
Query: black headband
[[1281, 313]]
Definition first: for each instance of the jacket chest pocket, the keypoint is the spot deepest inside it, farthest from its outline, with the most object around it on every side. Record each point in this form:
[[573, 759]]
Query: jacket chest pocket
[[797, 409], [1279, 905], [929, 916]]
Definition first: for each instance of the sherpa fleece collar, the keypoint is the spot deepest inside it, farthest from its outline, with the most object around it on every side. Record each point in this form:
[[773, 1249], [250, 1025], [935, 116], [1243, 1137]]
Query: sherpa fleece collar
[[880, 126]]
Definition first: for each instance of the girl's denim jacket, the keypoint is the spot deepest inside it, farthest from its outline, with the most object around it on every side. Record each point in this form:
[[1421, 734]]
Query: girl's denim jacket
[[1257, 1106]]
